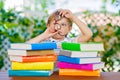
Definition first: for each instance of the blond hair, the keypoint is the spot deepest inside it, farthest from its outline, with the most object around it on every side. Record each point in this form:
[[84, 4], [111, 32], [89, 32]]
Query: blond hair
[[52, 16]]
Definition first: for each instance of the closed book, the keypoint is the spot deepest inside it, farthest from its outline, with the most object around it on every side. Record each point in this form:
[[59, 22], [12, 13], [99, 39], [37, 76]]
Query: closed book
[[29, 52], [81, 66], [82, 46], [79, 60], [75, 72], [29, 73], [41, 58], [34, 46], [78, 53], [33, 66]]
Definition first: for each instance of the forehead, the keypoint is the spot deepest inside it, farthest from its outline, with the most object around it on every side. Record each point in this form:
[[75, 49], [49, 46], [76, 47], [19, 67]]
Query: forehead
[[63, 20]]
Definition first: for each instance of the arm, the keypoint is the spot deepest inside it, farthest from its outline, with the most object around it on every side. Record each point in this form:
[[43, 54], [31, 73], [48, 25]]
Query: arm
[[86, 32], [45, 35]]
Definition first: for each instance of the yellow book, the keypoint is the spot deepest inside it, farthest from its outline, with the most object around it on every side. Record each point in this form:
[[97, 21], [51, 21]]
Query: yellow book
[[33, 66], [75, 72]]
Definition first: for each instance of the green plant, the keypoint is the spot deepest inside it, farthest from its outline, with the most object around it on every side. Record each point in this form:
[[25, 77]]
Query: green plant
[[1, 62], [17, 28], [115, 3], [110, 36]]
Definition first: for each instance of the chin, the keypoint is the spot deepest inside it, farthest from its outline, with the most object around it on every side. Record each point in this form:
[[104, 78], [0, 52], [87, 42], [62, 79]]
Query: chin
[[58, 36]]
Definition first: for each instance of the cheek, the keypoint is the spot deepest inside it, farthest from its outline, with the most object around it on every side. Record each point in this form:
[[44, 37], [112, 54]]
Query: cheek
[[65, 30], [52, 29]]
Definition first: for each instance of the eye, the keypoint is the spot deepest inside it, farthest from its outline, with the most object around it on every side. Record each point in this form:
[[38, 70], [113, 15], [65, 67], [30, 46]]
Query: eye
[[54, 23], [63, 24]]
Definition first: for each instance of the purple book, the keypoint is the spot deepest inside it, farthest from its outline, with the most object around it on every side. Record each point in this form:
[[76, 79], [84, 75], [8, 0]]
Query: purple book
[[94, 66]]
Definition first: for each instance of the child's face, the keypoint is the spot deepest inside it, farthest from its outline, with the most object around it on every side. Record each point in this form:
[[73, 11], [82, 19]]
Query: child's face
[[64, 27]]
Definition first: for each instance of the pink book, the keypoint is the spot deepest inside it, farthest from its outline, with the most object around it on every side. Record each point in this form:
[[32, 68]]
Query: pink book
[[81, 66]]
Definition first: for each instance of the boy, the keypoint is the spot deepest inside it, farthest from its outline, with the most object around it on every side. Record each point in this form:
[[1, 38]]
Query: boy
[[59, 25]]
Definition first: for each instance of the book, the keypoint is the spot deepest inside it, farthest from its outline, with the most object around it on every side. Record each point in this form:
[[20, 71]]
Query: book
[[34, 46], [81, 66], [29, 73], [33, 66], [77, 53], [41, 58], [82, 46], [75, 72], [79, 60], [29, 52]]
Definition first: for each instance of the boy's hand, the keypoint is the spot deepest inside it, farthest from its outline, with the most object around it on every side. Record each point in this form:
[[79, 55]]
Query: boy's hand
[[66, 13], [50, 33]]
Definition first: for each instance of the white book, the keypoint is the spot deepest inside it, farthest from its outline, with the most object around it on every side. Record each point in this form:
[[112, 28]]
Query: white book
[[78, 53]]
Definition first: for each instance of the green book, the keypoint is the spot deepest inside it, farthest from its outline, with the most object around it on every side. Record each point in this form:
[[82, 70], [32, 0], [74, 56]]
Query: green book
[[83, 46]]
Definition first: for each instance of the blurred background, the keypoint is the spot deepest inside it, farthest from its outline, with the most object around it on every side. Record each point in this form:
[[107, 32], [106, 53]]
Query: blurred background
[[21, 20]]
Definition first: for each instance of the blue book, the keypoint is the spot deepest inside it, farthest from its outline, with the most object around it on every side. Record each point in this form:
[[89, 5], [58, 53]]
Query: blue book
[[34, 46], [83, 60], [29, 73]]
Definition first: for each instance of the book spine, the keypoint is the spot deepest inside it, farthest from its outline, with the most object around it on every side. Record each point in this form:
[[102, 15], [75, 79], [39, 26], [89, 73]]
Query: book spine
[[28, 73], [75, 66], [48, 58], [68, 59], [71, 46], [74, 72], [44, 46], [33, 66]]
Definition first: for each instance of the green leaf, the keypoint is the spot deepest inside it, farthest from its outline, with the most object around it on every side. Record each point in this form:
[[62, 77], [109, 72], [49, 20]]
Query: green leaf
[[104, 1], [16, 38], [1, 62], [2, 29], [113, 1], [1, 4], [119, 11], [10, 25]]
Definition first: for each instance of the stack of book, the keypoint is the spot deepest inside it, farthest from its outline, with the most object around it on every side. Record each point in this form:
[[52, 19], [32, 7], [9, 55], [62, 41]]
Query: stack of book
[[80, 59], [32, 59]]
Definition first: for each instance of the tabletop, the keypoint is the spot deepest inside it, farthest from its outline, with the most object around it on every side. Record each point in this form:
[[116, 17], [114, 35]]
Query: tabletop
[[55, 76]]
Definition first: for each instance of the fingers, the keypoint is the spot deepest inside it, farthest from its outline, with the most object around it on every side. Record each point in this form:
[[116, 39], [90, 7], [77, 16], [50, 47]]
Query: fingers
[[63, 12], [52, 34]]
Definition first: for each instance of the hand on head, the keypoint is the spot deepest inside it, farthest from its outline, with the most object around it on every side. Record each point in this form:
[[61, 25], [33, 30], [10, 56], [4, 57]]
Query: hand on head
[[66, 13]]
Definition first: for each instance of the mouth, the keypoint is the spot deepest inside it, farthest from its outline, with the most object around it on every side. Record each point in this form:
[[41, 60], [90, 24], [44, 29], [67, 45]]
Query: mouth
[[60, 33]]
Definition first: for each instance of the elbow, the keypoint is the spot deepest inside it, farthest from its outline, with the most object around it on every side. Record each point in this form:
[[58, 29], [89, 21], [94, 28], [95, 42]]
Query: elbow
[[85, 38], [90, 35]]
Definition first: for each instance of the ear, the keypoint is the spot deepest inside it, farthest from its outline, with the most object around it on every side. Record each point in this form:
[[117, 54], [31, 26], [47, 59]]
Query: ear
[[70, 28], [48, 25]]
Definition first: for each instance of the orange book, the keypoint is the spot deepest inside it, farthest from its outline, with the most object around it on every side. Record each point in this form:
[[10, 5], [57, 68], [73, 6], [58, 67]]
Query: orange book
[[75, 72], [42, 58]]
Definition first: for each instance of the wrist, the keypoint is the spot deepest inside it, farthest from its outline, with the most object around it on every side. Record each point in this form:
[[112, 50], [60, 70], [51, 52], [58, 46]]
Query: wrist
[[73, 18], [44, 35]]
